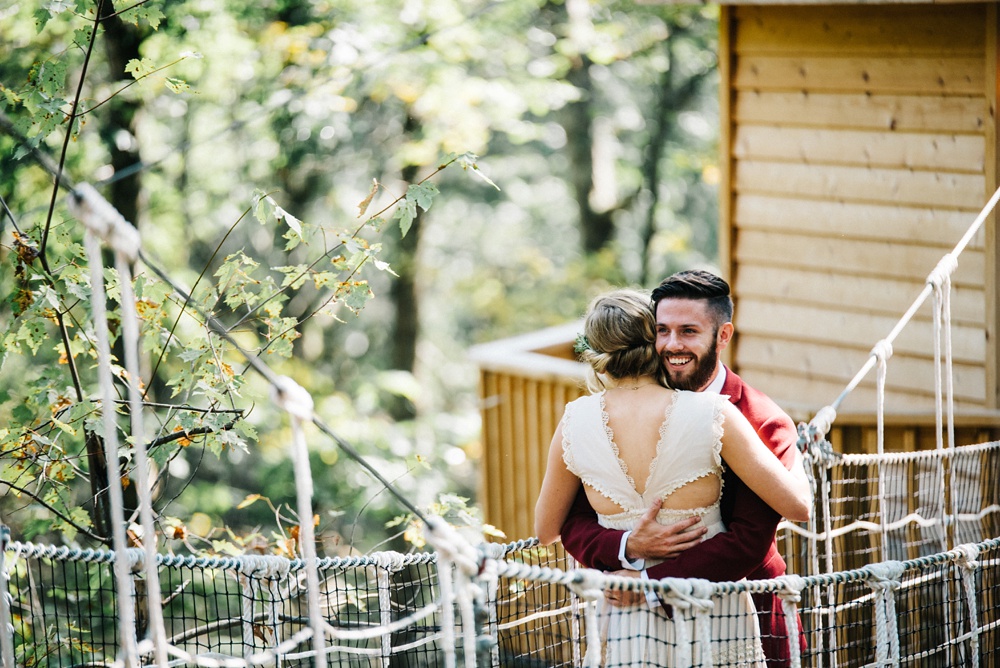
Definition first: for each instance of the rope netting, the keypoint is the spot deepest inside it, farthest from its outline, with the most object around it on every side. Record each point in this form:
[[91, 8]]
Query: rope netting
[[900, 563], [388, 609]]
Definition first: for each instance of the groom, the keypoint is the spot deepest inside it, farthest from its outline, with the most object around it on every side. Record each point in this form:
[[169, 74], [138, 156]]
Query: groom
[[693, 324]]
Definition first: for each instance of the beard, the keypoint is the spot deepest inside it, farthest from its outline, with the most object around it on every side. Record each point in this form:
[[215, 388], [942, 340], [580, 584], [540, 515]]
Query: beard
[[697, 378]]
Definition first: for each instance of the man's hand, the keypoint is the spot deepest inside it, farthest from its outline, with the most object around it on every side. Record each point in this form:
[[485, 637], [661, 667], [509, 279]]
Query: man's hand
[[622, 598], [652, 540]]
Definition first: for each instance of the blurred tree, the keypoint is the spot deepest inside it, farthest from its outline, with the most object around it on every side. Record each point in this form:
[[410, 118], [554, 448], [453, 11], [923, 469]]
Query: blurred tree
[[594, 119]]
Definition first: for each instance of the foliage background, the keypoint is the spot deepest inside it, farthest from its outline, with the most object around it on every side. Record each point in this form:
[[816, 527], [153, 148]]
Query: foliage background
[[240, 138]]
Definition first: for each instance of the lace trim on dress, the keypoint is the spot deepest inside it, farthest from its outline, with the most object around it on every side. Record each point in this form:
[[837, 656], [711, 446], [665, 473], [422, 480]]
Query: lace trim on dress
[[605, 418], [570, 461], [718, 429]]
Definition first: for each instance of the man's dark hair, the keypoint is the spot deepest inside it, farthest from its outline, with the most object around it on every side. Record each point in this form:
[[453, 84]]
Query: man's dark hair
[[698, 284]]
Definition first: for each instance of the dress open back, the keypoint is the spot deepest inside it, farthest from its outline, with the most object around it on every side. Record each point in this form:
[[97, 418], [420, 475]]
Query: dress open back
[[689, 448]]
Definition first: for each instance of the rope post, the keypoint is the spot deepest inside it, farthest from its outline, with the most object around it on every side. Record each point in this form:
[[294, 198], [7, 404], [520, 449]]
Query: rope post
[[6, 627]]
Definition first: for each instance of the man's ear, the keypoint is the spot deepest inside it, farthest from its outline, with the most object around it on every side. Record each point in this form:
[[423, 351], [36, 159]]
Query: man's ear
[[724, 336]]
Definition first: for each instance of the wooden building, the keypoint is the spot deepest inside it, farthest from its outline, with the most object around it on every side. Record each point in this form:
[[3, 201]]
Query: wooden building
[[858, 143]]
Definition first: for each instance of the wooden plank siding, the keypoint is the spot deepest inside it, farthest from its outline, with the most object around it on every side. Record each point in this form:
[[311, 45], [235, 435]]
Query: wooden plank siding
[[860, 147], [525, 383]]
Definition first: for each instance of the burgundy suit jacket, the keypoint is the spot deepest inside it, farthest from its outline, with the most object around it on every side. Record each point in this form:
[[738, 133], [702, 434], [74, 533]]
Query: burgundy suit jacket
[[746, 550]]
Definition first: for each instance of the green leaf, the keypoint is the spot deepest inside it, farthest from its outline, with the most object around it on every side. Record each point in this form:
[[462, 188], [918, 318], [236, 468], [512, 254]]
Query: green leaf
[[139, 68], [177, 85], [405, 214], [423, 194], [151, 14], [263, 206]]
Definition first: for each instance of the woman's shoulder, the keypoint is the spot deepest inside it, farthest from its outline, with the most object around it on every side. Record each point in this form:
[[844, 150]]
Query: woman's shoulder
[[701, 398]]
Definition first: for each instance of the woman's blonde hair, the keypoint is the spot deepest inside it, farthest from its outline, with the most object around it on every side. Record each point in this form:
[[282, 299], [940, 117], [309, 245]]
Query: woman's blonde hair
[[620, 333]]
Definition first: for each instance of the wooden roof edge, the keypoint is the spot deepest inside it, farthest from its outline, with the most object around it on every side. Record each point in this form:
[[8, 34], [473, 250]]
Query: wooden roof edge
[[526, 354]]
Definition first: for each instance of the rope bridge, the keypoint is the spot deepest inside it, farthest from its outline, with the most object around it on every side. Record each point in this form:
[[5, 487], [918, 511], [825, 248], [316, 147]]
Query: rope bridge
[[901, 563]]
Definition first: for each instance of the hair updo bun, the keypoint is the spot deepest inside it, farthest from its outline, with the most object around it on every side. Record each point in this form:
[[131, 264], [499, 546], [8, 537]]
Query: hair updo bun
[[620, 331]]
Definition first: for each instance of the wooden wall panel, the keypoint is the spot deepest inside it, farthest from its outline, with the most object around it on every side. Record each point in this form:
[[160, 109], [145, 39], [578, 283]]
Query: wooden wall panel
[[520, 414], [878, 29], [906, 76], [851, 330], [853, 257], [862, 294], [885, 186], [867, 110], [905, 374], [895, 150], [939, 228], [859, 146]]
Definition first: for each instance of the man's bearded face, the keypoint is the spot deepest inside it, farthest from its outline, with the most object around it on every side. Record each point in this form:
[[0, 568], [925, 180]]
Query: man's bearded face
[[687, 342]]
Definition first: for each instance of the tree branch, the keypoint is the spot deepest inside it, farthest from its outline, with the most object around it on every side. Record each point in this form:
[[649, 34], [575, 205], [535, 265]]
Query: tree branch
[[61, 516]]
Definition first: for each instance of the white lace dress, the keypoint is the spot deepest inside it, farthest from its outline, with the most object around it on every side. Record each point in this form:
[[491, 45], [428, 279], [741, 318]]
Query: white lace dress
[[689, 448]]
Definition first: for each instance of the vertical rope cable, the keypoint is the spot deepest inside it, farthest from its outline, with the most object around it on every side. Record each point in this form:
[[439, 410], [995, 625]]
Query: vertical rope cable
[[124, 257], [464, 594], [967, 562], [882, 352], [791, 596], [385, 612], [294, 400], [883, 578], [126, 611], [447, 609], [6, 627]]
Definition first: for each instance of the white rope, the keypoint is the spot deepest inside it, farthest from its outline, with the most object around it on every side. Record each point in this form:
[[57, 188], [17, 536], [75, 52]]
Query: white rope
[[447, 608], [791, 596], [385, 613], [6, 625], [101, 219], [465, 595], [883, 578], [589, 588], [298, 403], [246, 612], [969, 565], [922, 297], [690, 602], [130, 342], [882, 352], [126, 612]]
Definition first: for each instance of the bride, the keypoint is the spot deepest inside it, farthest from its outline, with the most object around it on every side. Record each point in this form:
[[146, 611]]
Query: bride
[[633, 442]]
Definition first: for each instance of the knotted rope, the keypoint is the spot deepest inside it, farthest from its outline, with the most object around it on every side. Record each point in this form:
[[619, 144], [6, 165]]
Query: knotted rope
[[791, 595], [588, 586], [883, 578], [967, 561], [690, 600]]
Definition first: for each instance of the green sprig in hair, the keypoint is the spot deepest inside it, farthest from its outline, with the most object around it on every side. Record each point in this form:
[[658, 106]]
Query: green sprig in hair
[[581, 344]]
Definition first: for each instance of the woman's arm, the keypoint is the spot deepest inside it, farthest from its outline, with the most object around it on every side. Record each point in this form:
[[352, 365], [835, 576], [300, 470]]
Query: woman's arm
[[559, 488], [785, 491]]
